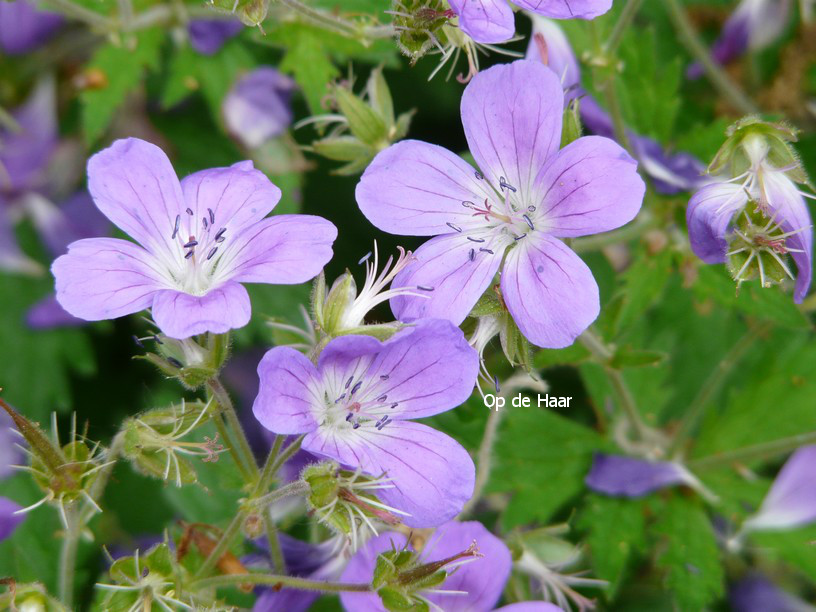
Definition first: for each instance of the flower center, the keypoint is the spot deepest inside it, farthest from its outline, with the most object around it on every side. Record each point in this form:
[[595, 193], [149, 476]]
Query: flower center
[[358, 404], [199, 253]]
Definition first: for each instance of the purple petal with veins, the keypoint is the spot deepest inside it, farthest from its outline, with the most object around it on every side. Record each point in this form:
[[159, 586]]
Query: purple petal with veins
[[622, 476]]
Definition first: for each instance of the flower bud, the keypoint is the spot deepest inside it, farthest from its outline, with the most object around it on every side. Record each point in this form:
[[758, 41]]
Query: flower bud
[[343, 500], [571, 123], [751, 141], [418, 24], [190, 362]]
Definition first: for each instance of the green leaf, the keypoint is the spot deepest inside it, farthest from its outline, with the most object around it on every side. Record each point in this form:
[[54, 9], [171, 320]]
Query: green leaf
[[616, 531], [571, 355], [690, 555], [308, 61], [122, 68], [541, 458], [627, 357]]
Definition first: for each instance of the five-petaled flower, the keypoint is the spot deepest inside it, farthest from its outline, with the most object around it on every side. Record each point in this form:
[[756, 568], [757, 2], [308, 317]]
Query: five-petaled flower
[[355, 406], [198, 240], [491, 21], [509, 215]]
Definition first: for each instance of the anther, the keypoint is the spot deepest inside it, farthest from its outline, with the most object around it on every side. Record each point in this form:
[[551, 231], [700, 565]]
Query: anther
[[212, 215], [382, 398], [211, 253], [204, 221], [479, 175], [157, 340], [496, 382], [472, 239], [189, 254], [138, 341], [364, 258], [190, 211], [531, 208], [349, 416], [520, 237], [355, 426], [356, 387], [529, 222], [424, 288], [384, 377], [191, 244], [348, 382], [472, 254], [337, 401], [394, 405], [468, 204], [486, 251], [176, 227], [503, 183], [454, 227], [219, 235]]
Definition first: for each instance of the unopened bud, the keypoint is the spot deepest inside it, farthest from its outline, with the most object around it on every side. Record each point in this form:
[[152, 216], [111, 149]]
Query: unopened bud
[[418, 24], [190, 362]]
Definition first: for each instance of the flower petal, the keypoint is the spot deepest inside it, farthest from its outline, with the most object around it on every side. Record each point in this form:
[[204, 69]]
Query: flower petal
[[285, 395], [530, 606], [791, 502], [283, 249], [591, 186], [181, 315], [48, 314], [258, 108], [23, 27], [559, 54], [755, 593], [433, 476], [569, 9], [623, 476], [485, 21], [414, 188], [135, 186], [238, 196], [428, 368], [105, 278], [8, 520], [708, 217], [444, 264], [550, 292], [791, 212], [512, 119], [207, 36]]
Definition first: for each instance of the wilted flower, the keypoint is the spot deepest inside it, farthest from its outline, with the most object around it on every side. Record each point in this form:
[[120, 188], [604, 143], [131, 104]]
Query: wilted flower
[[670, 172], [355, 406], [754, 25], [756, 219], [461, 567], [491, 21], [623, 476], [24, 27], [258, 107], [527, 195], [791, 501], [207, 36], [198, 240]]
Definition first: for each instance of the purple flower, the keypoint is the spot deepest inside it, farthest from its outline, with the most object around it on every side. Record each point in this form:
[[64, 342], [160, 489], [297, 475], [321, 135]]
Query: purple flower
[[530, 606], [480, 581], [356, 404], [198, 240], [618, 475], [491, 21], [670, 172], [8, 519], [313, 561], [257, 107], [754, 25], [207, 36], [791, 502], [755, 593], [526, 197], [23, 27], [714, 210]]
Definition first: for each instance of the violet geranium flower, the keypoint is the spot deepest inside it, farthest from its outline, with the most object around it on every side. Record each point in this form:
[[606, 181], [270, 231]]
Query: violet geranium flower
[[511, 214], [199, 239], [258, 107], [473, 587], [622, 476], [24, 27], [491, 21], [207, 36], [355, 406]]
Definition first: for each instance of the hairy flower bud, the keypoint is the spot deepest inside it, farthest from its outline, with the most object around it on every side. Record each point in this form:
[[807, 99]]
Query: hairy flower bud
[[189, 361], [418, 24]]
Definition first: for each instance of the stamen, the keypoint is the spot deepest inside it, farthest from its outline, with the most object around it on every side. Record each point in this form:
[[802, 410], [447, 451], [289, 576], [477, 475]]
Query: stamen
[[468, 204], [384, 377], [486, 251], [189, 254], [211, 253], [339, 398], [472, 239], [204, 221], [479, 175], [157, 340], [138, 341], [472, 254], [382, 398], [531, 208], [520, 237], [454, 227], [356, 387], [348, 382], [355, 426], [503, 183], [423, 288], [191, 244], [190, 211], [529, 222], [219, 235], [176, 227], [394, 405], [364, 258], [212, 215], [496, 383], [349, 416]]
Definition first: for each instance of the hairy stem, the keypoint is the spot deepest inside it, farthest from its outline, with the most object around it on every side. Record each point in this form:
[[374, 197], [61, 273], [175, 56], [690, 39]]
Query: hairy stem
[[298, 487], [764, 450], [626, 400], [484, 460], [715, 73], [278, 580], [712, 384], [232, 530], [228, 410], [623, 23], [337, 24], [287, 454], [67, 558], [80, 13]]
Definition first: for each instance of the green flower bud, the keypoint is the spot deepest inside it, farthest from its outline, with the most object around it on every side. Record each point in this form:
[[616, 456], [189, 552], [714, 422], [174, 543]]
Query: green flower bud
[[191, 362], [418, 24], [571, 123]]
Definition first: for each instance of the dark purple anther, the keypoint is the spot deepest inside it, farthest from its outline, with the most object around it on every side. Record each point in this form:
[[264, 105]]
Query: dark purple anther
[[382, 398], [454, 227], [424, 288], [503, 183], [211, 253], [472, 254], [384, 377], [364, 258], [188, 255], [138, 342], [479, 175], [355, 426], [356, 387], [486, 251], [340, 398], [176, 227], [394, 405], [190, 211], [349, 416], [519, 237], [212, 215], [468, 204], [529, 222], [204, 221], [219, 235], [191, 244], [348, 382], [175, 362], [157, 340], [472, 239]]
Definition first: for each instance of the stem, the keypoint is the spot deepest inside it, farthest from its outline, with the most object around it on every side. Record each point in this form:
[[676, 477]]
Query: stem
[[485, 460], [264, 482], [67, 558], [624, 21], [272, 539], [228, 410], [221, 427], [711, 386], [298, 487], [287, 454], [275, 580], [763, 450], [268, 472], [715, 73], [81, 13], [223, 543], [321, 18], [626, 400]]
